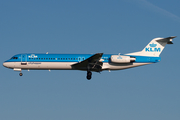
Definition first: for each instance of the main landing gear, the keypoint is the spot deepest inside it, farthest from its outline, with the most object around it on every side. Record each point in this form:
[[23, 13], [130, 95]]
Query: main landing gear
[[89, 75]]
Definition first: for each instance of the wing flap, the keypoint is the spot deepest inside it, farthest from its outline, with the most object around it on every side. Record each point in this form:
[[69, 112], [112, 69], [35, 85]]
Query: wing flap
[[92, 63]]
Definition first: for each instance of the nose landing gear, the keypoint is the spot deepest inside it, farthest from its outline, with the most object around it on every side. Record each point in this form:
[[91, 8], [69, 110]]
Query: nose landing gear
[[20, 74], [89, 75]]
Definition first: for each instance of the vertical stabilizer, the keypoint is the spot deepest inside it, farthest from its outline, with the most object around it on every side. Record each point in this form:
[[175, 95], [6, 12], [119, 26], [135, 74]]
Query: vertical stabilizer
[[155, 47]]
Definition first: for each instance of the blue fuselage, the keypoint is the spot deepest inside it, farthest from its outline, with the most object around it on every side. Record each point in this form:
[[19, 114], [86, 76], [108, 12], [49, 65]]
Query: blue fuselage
[[72, 58]]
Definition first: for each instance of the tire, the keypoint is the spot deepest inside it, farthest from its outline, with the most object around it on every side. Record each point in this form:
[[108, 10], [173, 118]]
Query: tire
[[20, 74], [88, 77], [89, 74]]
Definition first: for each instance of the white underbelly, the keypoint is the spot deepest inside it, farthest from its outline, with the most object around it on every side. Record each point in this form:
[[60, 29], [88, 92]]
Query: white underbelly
[[116, 66], [45, 65], [67, 65]]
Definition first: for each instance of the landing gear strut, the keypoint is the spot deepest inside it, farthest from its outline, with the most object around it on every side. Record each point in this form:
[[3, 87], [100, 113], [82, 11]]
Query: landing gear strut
[[89, 75], [20, 74]]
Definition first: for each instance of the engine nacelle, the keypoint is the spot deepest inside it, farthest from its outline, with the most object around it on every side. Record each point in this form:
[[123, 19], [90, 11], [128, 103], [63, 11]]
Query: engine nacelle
[[122, 59]]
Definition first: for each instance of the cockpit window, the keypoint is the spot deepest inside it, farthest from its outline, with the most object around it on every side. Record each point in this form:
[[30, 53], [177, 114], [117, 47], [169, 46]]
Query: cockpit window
[[14, 58]]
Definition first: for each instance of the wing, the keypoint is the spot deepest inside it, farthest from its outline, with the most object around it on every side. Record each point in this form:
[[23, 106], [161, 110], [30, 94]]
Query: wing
[[92, 63]]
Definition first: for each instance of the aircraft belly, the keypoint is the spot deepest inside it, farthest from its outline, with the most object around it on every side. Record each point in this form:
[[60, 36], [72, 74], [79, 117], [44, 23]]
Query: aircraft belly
[[44, 65], [57, 65], [115, 66], [52, 65], [67, 65]]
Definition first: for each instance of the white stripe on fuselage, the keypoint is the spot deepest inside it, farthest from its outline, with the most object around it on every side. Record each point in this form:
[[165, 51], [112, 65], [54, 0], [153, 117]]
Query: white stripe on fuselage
[[67, 65]]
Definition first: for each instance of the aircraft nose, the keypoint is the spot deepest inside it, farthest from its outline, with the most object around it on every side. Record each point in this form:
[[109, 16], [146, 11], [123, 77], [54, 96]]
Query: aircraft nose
[[5, 64]]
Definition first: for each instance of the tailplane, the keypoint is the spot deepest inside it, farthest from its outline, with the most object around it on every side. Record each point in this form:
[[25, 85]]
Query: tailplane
[[155, 47]]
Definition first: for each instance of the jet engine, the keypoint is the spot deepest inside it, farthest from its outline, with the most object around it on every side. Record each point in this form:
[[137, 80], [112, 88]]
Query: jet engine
[[122, 59]]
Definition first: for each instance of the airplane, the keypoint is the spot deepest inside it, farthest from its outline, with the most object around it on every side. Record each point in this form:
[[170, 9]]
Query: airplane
[[89, 62]]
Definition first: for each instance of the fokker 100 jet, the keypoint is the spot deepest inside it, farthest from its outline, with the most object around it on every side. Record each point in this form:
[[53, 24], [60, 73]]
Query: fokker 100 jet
[[88, 62]]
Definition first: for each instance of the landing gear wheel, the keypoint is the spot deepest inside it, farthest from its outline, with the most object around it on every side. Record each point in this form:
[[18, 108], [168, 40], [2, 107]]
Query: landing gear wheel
[[89, 74], [88, 77], [20, 74]]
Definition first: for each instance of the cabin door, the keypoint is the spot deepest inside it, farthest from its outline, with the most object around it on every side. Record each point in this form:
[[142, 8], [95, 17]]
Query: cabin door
[[23, 59]]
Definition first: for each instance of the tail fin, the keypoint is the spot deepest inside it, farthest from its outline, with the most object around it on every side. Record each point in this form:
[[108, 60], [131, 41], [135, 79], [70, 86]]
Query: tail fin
[[155, 47]]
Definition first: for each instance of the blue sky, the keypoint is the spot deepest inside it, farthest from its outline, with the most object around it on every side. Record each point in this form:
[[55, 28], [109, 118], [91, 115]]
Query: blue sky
[[82, 26]]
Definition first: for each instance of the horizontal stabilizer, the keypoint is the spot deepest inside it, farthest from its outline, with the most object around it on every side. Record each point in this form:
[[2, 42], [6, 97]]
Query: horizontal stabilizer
[[167, 40]]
